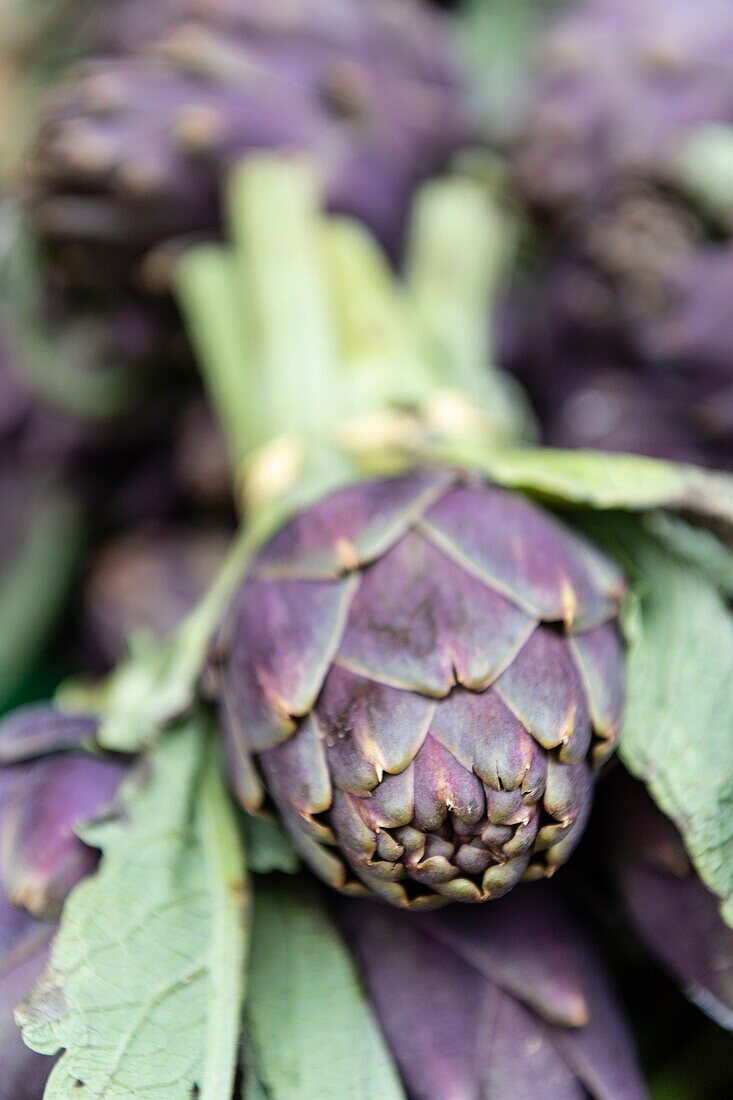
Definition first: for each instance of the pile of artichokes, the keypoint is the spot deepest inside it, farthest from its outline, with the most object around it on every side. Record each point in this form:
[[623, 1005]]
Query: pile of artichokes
[[366, 550]]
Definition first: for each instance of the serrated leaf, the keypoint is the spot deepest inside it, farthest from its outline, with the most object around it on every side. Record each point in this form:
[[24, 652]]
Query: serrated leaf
[[311, 1032], [144, 987], [678, 728], [268, 847]]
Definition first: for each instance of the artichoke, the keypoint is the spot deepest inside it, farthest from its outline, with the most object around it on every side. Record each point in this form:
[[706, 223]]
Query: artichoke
[[49, 784], [670, 395], [509, 1002], [24, 946], [621, 84], [39, 525], [426, 671], [135, 149], [630, 284], [673, 914], [144, 582]]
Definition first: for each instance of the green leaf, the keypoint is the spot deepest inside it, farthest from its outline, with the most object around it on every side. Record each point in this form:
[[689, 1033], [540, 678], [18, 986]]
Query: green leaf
[[268, 848], [599, 480], [312, 1034], [678, 728], [144, 988], [35, 587], [696, 546]]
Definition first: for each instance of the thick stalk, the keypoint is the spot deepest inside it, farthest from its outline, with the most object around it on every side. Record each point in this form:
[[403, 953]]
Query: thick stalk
[[274, 218], [207, 291], [260, 313], [460, 241], [381, 343]]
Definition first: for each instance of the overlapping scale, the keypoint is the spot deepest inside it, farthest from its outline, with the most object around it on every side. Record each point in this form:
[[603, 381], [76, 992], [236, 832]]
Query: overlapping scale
[[524, 553], [422, 623], [599, 657], [418, 668], [350, 528], [284, 637], [543, 689], [483, 734], [297, 771], [369, 728]]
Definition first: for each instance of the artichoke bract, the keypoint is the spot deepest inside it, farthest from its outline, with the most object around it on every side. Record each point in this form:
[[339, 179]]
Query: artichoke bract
[[510, 1001], [668, 906], [426, 672], [24, 947], [135, 150], [49, 784]]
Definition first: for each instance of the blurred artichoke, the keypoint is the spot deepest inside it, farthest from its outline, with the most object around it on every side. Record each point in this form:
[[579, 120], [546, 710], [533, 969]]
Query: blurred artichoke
[[621, 85], [668, 396], [426, 672], [24, 947], [135, 150], [509, 1002], [39, 525], [632, 278], [145, 582], [675, 916], [49, 783]]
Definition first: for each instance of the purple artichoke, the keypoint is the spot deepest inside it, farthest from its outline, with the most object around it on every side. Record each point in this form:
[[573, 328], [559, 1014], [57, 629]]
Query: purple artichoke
[[631, 289], [145, 582], [669, 908], [135, 150], [509, 1002], [621, 85], [24, 947], [661, 387], [49, 784], [426, 672]]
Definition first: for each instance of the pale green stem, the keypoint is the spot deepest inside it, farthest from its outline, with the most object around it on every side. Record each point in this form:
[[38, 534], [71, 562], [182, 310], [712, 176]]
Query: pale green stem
[[275, 218], [381, 342], [460, 242], [207, 293], [458, 247]]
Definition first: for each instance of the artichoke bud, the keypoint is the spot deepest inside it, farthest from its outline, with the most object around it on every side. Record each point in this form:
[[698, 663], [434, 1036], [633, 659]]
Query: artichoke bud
[[135, 149], [424, 673], [49, 786], [24, 947]]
